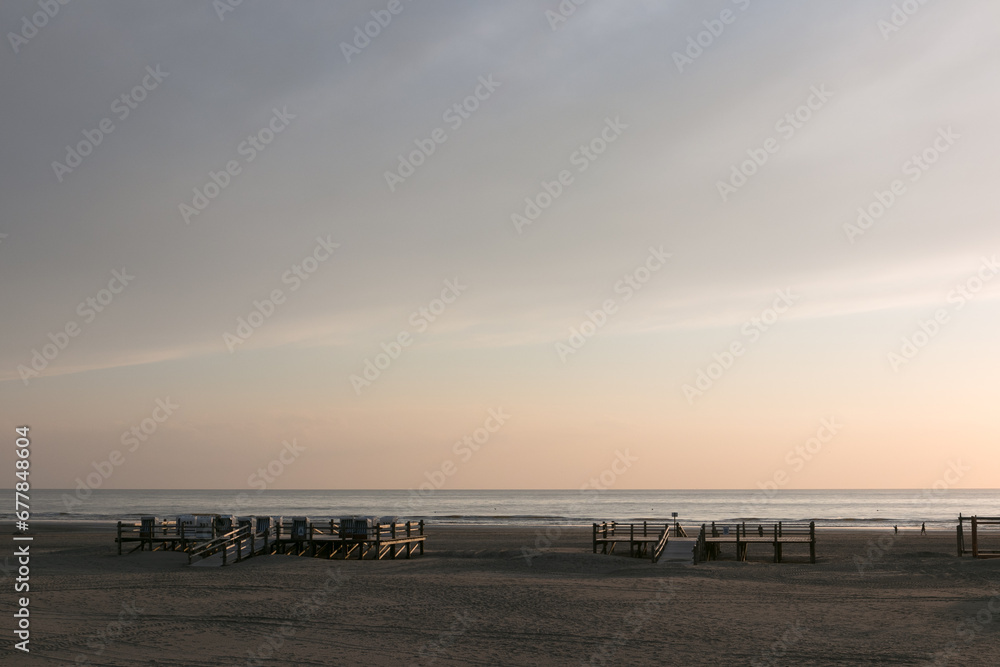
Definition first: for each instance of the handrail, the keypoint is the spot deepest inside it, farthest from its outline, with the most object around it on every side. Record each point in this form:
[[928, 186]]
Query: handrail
[[235, 536], [661, 545], [221, 538]]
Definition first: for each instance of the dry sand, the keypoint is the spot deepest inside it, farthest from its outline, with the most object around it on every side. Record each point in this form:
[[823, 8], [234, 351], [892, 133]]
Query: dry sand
[[473, 599]]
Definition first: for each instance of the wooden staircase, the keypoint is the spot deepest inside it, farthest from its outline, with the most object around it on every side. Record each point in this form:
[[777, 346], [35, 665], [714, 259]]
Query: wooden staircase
[[233, 547]]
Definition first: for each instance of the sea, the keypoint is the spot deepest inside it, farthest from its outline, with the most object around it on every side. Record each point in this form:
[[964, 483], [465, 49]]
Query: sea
[[938, 508]]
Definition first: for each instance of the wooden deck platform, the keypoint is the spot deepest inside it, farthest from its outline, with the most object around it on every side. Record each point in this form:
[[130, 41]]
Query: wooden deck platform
[[976, 524], [710, 540], [297, 537], [327, 540]]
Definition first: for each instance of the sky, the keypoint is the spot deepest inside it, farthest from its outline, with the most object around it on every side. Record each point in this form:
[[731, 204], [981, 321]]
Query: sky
[[501, 245]]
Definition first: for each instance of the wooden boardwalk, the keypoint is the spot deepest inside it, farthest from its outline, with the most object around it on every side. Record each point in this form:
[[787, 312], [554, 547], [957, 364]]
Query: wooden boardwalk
[[261, 536], [644, 540], [711, 540], [679, 550], [976, 523]]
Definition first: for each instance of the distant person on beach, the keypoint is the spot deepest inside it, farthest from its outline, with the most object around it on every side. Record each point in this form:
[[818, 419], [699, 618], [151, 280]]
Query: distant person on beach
[[896, 529], [923, 528]]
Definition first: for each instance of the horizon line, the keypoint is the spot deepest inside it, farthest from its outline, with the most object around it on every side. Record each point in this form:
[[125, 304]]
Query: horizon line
[[417, 490]]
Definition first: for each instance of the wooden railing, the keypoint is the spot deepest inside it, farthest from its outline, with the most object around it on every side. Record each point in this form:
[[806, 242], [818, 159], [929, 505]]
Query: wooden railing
[[777, 534], [762, 529], [298, 535], [162, 531], [975, 523], [615, 529], [234, 538], [333, 529], [661, 545], [646, 539]]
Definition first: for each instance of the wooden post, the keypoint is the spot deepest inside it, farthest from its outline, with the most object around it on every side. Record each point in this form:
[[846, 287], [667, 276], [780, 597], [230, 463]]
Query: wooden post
[[594, 536], [224, 553], [961, 537], [777, 554], [421, 541], [812, 542], [644, 529], [631, 540], [975, 537]]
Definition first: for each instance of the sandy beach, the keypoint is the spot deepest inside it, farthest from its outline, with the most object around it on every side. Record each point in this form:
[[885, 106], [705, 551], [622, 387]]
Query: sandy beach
[[475, 598]]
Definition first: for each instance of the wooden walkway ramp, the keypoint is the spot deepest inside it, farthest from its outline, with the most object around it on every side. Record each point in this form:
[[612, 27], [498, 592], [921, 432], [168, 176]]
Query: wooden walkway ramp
[[679, 550]]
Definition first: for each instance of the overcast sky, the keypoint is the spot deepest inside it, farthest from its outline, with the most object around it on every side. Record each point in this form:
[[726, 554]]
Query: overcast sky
[[697, 168]]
